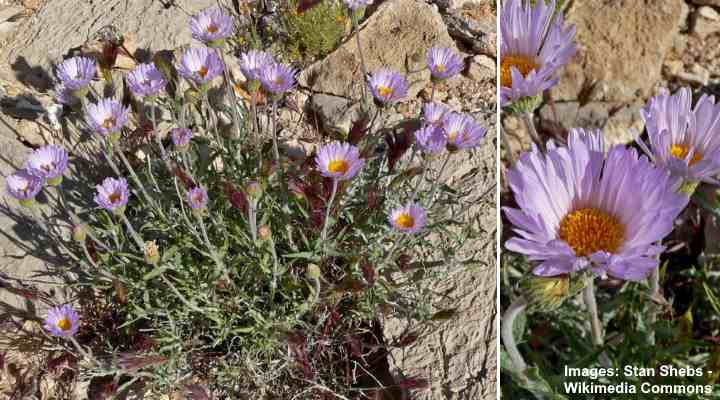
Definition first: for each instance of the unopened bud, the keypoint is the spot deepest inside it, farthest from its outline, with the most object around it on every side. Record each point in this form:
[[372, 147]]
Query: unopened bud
[[254, 190], [152, 254], [264, 232], [312, 272], [79, 233], [546, 294]]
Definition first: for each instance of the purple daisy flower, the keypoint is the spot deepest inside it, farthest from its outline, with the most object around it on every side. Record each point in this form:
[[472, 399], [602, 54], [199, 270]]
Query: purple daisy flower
[[211, 26], [683, 139], [107, 117], [146, 80], [181, 137], [339, 161], [468, 136], [200, 65], [76, 73], [433, 113], [23, 186], [355, 4], [254, 62], [534, 45], [443, 63], [277, 78], [62, 321], [453, 125], [388, 86], [48, 162], [578, 209], [112, 194], [430, 139], [197, 198], [408, 219]]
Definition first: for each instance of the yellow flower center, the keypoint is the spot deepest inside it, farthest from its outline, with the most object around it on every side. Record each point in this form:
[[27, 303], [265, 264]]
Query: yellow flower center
[[451, 136], [680, 151], [588, 230], [523, 64], [384, 91], [109, 123], [203, 72], [212, 28], [114, 198], [64, 324], [440, 68], [338, 166], [405, 221]]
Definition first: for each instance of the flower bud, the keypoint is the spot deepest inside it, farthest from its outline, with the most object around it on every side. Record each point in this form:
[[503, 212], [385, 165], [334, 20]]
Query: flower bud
[[254, 190], [546, 294], [264, 232], [79, 232], [312, 272], [152, 254]]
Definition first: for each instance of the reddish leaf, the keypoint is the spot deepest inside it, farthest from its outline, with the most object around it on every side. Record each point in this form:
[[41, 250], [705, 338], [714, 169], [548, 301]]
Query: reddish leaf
[[304, 5]]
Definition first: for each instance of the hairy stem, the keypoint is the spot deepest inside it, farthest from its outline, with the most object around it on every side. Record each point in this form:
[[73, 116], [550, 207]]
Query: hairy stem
[[595, 325], [527, 118], [654, 281], [508, 338], [133, 232], [327, 212]]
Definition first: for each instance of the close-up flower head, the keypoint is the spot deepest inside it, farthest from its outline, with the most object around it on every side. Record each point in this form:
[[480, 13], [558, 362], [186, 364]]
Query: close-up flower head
[[277, 78], [408, 219], [388, 86], [23, 186], [197, 198], [578, 209], [211, 26], [107, 117], [433, 113], [535, 43], [254, 62], [146, 80], [77, 72], [62, 321], [339, 161], [200, 65], [444, 63], [48, 162], [683, 139], [112, 194], [467, 136], [181, 137]]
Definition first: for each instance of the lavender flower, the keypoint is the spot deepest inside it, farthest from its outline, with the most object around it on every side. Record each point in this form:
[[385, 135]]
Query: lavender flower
[[62, 321], [112, 195], [76, 73], [356, 4], [254, 62], [534, 45], [453, 125], [339, 161], [277, 78], [146, 81], [107, 117], [211, 26], [578, 209], [433, 113], [197, 198], [408, 219], [181, 137], [48, 162], [65, 95], [443, 63], [388, 86], [23, 186], [468, 136], [683, 139], [430, 139], [200, 65]]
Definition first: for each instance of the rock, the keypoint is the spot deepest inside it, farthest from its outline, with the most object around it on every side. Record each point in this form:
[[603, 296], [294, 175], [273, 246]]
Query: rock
[[335, 113], [41, 41], [705, 21], [481, 68], [617, 121], [620, 48], [474, 27], [698, 75], [397, 36]]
